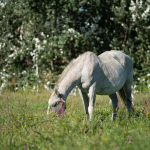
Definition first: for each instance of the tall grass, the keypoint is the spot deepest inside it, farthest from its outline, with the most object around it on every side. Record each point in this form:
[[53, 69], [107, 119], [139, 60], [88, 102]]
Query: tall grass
[[24, 125]]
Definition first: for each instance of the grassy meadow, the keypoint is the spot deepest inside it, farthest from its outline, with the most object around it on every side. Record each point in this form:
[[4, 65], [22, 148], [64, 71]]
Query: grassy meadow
[[25, 126]]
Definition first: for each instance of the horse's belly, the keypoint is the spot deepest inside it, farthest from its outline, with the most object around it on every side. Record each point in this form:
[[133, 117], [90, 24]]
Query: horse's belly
[[109, 90], [112, 83]]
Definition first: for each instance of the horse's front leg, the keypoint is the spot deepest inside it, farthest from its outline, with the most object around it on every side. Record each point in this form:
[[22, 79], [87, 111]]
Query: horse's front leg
[[114, 99], [92, 96], [85, 99]]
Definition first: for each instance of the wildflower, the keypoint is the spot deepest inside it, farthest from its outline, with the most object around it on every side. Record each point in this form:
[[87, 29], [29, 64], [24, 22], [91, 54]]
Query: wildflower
[[94, 146], [148, 74], [29, 118], [138, 79], [125, 132], [147, 113], [105, 139], [25, 114], [72, 118], [100, 143]]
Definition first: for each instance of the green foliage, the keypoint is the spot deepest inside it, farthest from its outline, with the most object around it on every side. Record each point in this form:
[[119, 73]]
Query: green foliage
[[44, 35]]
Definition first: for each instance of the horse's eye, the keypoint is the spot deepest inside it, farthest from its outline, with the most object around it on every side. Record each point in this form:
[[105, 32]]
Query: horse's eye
[[56, 104]]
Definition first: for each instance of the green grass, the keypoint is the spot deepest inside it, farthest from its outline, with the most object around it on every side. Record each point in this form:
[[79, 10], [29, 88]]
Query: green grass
[[24, 125]]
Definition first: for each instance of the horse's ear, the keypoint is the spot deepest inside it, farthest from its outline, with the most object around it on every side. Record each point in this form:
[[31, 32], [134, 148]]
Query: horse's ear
[[56, 92], [51, 91]]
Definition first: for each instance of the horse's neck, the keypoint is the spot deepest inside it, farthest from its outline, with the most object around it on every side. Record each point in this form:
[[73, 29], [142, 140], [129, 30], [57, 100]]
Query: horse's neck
[[66, 85]]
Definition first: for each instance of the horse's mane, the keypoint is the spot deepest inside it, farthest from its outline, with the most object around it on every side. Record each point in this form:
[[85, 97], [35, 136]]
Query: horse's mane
[[66, 71]]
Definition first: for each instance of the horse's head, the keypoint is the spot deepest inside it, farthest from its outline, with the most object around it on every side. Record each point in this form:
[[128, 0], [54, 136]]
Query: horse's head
[[57, 102]]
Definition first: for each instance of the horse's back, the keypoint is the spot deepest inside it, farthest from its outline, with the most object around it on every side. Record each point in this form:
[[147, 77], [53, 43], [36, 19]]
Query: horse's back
[[116, 69], [122, 58]]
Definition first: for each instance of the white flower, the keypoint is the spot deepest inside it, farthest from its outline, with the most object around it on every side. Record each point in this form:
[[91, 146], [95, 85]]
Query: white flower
[[36, 40], [148, 74], [21, 37], [61, 51], [3, 85], [136, 92], [71, 30], [48, 83], [11, 55], [44, 41], [2, 78], [42, 33], [112, 18], [24, 72], [46, 87], [2, 4]]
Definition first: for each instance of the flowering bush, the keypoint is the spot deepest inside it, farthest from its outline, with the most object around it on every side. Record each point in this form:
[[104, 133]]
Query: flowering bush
[[39, 37]]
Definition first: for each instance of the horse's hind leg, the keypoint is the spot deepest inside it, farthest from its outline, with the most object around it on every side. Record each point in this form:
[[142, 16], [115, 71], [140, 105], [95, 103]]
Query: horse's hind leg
[[128, 91], [85, 99], [114, 100]]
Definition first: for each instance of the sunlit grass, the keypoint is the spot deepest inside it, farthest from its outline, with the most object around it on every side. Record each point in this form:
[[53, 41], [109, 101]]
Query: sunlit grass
[[24, 125]]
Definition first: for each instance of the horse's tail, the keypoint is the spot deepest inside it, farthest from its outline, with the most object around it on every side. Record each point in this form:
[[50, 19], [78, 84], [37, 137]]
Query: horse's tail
[[123, 97]]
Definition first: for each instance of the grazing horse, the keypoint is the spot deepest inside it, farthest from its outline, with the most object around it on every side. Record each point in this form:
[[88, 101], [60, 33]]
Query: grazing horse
[[106, 74]]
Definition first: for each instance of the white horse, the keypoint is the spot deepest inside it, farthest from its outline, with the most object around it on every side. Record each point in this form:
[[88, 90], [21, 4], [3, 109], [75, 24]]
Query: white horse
[[105, 74], [133, 99]]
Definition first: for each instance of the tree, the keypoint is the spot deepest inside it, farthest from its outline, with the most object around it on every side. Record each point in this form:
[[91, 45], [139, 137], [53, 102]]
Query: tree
[[38, 38]]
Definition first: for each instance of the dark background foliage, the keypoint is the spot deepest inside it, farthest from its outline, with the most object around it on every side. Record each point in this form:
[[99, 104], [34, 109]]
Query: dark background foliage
[[38, 38]]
